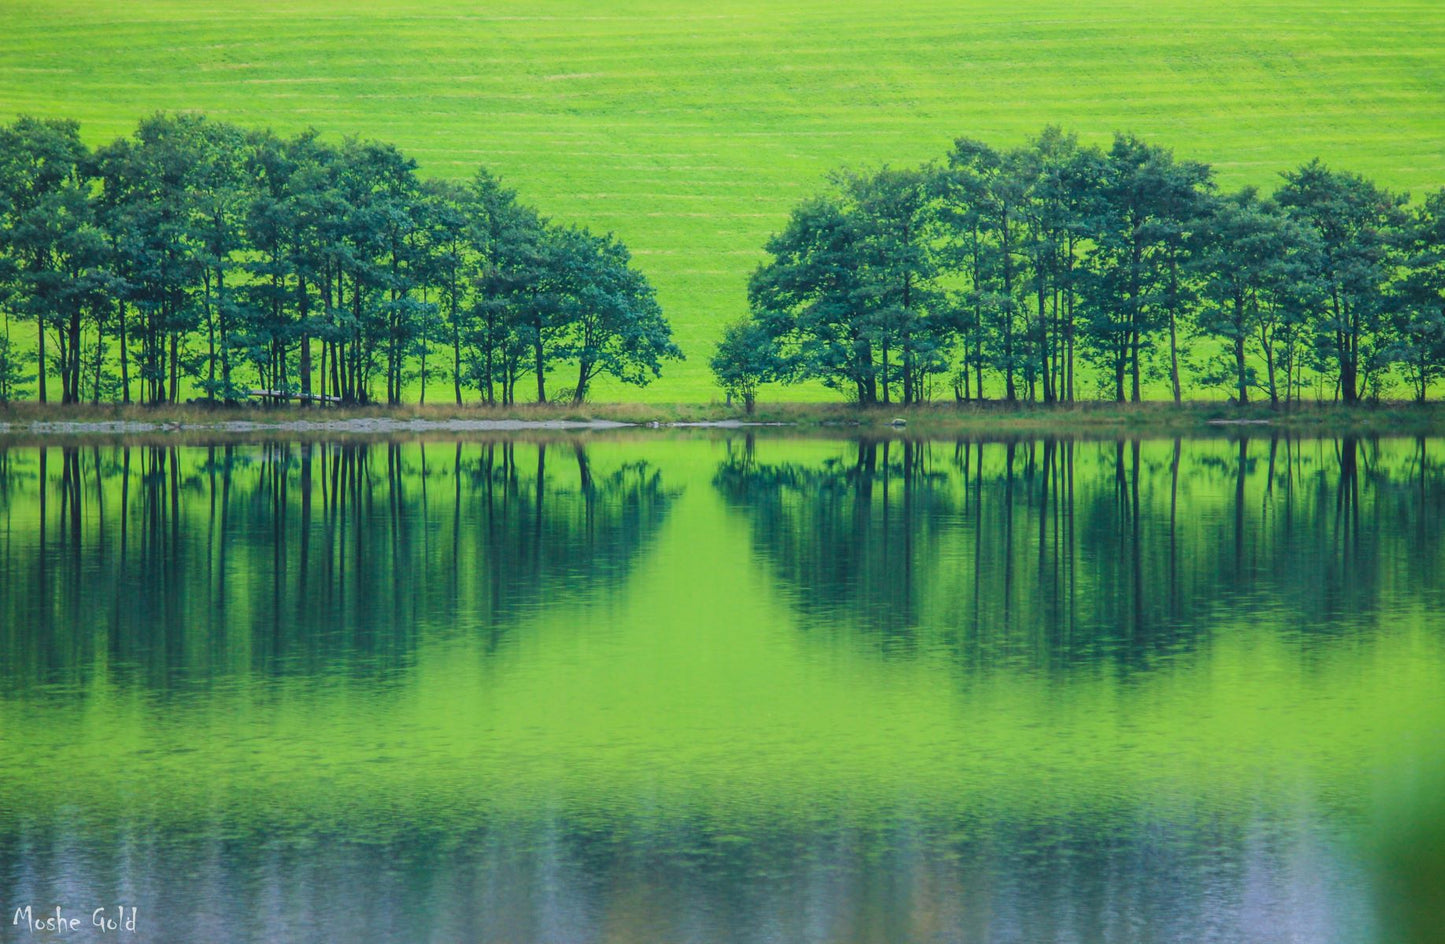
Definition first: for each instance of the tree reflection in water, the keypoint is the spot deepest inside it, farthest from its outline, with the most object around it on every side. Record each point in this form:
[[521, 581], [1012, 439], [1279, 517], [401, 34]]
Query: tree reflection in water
[[1059, 552], [187, 562]]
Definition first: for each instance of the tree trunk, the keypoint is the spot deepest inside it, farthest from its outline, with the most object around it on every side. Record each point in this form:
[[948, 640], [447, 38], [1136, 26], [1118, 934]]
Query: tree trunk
[[491, 396], [1069, 324], [1121, 365], [1173, 327], [885, 372], [583, 371], [910, 395], [1345, 345], [456, 352], [175, 368], [40, 363], [1266, 346], [1347, 378], [1135, 394], [1045, 351], [866, 378], [303, 302], [1174, 358], [1136, 315], [74, 361], [1010, 389], [1069, 342], [210, 347], [1241, 380], [124, 359]]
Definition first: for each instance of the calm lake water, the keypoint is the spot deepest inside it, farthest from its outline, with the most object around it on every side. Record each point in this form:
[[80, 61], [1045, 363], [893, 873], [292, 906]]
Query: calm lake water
[[718, 688]]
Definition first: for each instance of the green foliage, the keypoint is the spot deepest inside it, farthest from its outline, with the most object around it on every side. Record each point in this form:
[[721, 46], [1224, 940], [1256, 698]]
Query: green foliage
[[851, 293], [1356, 222], [1147, 205], [613, 323], [1014, 264], [217, 259], [1417, 315], [746, 358], [1255, 264], [47, 231]]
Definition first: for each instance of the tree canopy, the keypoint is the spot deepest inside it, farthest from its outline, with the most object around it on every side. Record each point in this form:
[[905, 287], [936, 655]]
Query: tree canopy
[[999, 272], [196, 258]]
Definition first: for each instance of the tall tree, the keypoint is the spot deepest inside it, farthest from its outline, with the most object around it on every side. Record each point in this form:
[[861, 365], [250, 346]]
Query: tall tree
[[986, 192], [746, 358], [507, 238], [1246, 259], [218, 204], [812, 297], [1417, 316], [965, 212], [615, 326], [1356, 222], [45, 231], [456, 247], [895, 215], [1148, 201], [1061, 197], [166, 257], [14, 381]]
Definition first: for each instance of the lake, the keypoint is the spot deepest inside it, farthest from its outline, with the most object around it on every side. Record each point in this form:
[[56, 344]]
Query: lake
[[715, 686]]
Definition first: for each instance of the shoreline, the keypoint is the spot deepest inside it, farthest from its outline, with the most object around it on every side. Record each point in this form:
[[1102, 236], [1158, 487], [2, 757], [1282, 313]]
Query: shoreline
[[932, 419]]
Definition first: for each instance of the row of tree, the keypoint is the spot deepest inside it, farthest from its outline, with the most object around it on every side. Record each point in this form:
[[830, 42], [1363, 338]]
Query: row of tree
[[198, 256], [1020, 267]]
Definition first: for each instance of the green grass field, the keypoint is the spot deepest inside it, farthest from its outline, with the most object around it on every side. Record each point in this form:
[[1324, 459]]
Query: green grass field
[[691, 129]]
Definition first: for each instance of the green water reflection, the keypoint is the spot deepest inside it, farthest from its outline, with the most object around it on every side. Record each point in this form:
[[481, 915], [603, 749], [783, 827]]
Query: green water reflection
[[718, 688]]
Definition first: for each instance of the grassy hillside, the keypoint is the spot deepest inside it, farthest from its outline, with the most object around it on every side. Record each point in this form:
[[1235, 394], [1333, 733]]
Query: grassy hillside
[[690, 129]]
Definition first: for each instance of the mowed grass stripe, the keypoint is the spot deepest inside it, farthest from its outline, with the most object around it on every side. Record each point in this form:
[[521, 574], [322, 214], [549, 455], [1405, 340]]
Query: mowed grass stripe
[[691, 132]]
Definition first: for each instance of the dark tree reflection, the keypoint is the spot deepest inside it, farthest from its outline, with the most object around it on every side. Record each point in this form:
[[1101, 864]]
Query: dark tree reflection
[[194, 562], [1057, 551]]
